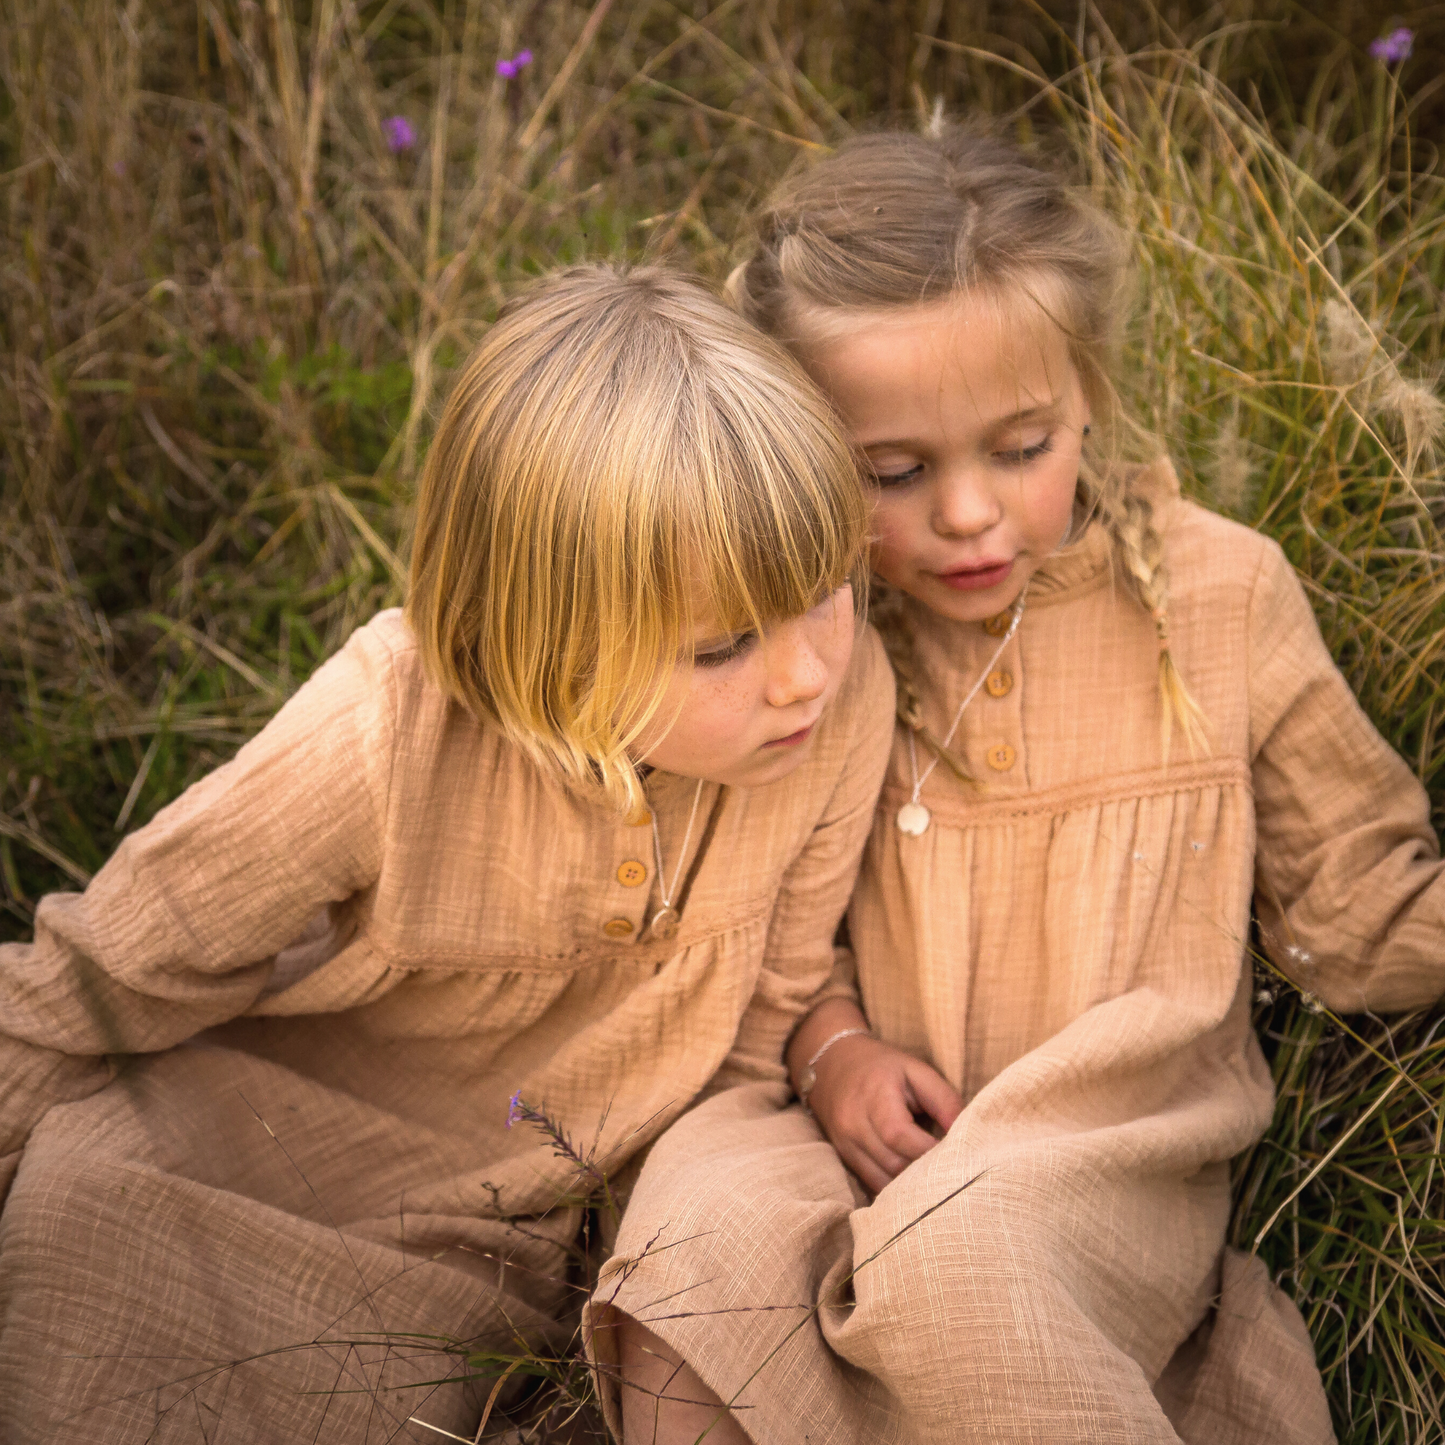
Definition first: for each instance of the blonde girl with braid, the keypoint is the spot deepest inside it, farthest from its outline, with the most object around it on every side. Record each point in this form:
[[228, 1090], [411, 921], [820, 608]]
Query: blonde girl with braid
[[994, 1207]]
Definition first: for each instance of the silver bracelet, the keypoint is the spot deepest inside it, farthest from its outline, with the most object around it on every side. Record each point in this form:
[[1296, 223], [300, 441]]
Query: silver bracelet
[[810, 1076]]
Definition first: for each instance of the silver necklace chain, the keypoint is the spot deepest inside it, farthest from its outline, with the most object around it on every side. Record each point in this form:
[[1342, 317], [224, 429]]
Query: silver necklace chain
[[913, 817], [665, 920]]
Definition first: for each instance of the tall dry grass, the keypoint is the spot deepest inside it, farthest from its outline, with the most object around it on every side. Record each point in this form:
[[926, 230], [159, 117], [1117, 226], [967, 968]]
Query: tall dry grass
[[229, 308]]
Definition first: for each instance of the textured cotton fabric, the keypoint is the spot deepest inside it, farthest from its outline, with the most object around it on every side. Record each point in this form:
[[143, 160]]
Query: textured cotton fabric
[[1066, 944], [257, 1077]]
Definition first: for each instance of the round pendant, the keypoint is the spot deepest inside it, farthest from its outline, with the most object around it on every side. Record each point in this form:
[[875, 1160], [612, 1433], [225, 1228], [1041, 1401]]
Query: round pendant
[[913, 819], [663, 925]]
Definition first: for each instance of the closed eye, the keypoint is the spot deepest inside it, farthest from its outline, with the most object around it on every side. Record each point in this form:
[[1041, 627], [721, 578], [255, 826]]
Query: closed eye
[[898, 479], [715, 657], [1022, 456]]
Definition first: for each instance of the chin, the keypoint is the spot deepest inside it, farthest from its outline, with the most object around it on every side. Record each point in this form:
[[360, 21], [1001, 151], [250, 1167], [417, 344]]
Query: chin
[[773, 767], [967, 606]]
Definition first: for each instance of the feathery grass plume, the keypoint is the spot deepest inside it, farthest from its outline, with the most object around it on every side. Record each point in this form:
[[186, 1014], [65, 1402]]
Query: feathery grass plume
[[1231, 480], [1352, 346], [1356, 358], [1421, 414]]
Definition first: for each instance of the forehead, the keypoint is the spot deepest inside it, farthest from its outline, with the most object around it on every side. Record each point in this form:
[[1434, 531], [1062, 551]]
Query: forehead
[[708, 621], [968, 361]]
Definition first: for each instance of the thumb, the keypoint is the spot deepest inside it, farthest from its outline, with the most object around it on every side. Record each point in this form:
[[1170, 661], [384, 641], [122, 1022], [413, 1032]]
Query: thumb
[[935, 1095]]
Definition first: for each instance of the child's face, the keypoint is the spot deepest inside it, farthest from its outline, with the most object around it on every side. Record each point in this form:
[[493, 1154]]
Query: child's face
[[746, 709], [971, 416]]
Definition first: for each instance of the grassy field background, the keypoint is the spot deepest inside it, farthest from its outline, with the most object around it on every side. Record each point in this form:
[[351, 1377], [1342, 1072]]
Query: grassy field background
[[234, 288]]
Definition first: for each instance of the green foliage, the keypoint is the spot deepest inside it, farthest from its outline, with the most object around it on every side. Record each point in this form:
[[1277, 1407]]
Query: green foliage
[[230, 311]]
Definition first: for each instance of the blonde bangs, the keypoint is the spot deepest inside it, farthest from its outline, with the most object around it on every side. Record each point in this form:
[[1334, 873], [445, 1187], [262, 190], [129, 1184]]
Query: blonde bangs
[[621, 455], [777, 517]]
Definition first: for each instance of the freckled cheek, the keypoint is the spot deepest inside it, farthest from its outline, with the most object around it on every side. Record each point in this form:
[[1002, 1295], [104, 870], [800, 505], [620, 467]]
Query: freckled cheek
[[738, 695], [1053, 504], [835, 650], [895, 539], [721, 704]]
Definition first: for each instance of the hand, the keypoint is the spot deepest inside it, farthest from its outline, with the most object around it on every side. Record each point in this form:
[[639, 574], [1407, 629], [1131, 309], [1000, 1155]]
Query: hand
[[867, 1099]]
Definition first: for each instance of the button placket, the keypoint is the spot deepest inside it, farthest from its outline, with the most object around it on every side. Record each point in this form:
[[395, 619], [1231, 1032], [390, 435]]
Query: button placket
[[997, 732], [625, 905]]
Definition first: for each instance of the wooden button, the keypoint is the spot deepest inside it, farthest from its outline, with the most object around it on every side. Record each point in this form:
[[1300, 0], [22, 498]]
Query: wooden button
[[1000, 757], [617, 927], [631, 874], [1000, 682], [997, 626]]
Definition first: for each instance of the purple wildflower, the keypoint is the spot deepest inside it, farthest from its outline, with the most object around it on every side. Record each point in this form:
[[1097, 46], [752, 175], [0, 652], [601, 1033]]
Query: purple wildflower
[[399, 134], [516, 1109], [507, 69], [1395, 47]]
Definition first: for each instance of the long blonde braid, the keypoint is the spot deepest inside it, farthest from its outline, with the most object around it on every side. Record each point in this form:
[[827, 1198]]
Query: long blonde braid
[[896, 219], [1129, 518]]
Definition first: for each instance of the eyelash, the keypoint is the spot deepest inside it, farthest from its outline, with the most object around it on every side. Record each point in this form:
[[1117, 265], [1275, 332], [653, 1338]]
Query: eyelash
[[735, 648], [1018, 458], [897, 479], [1024, 455], [740, 644]]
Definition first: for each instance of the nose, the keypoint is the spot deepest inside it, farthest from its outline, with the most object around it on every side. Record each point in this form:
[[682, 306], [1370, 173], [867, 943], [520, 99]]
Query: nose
[[963, 505], [796, 670]]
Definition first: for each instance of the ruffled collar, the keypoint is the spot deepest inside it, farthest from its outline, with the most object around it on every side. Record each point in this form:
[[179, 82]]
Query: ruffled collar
[[1079, 565]]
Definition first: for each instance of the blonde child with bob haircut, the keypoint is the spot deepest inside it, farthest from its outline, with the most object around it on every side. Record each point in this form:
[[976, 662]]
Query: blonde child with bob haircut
[[568, 838], [1119, 734]]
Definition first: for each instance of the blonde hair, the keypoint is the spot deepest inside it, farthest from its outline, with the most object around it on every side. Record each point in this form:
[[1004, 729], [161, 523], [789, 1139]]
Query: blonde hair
[[621, 450], [896, 219]]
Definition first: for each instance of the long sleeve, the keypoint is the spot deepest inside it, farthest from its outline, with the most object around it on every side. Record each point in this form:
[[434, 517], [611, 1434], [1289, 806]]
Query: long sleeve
[[799, 960], [843, 980], [177, 931], [1350, 889]]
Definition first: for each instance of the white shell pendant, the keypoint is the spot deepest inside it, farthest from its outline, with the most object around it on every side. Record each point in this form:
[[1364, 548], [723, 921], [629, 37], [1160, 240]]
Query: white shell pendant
[[664, 924], [913, 819]]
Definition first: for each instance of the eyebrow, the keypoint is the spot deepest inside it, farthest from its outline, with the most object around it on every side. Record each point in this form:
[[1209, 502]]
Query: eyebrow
[[1013, 417]]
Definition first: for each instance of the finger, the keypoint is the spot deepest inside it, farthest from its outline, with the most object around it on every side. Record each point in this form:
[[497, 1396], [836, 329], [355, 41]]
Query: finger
[[886, 1157], [871, 1141], [897, 1132], [872, 1174], [935, 1095]]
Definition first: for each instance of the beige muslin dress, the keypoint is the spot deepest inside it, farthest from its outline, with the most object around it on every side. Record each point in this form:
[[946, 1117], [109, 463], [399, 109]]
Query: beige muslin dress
[[333, 962], [1067, 946]]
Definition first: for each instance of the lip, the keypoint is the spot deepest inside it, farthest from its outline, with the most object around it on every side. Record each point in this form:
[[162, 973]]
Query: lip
[[977, 578], [793, 739]]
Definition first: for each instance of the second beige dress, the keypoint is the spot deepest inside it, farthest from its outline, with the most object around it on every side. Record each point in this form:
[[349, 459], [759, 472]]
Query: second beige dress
[[1067, 946]]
